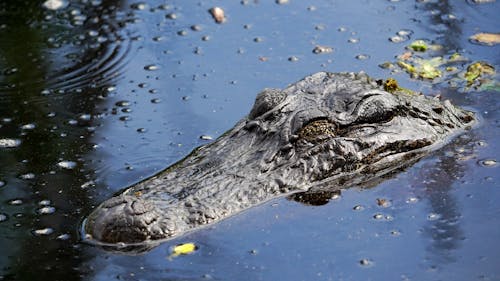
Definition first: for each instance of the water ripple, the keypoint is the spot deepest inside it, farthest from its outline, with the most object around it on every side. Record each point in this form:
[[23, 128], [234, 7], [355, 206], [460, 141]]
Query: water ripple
[[64, 55]]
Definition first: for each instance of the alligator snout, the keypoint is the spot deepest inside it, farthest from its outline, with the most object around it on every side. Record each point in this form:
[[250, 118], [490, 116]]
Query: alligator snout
[[125, 218]]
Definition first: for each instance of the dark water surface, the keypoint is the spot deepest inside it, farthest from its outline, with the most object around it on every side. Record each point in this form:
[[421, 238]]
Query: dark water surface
[[100, 94]]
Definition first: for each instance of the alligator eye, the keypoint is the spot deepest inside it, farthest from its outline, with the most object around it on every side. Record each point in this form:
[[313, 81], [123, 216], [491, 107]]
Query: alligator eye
[[266, 101], [317, 131]]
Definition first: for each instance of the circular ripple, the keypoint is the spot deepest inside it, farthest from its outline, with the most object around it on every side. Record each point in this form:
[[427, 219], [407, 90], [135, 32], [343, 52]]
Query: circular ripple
[[91, 52]]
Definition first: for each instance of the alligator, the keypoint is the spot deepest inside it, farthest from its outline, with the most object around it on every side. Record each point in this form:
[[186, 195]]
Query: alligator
[[322, 134]]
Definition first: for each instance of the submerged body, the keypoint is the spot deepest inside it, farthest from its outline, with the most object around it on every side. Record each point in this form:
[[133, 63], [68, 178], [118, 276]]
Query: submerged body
[[324, 133]]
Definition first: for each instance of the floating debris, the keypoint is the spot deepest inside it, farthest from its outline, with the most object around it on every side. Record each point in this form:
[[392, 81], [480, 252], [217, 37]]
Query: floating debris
[[421, 68], [15, 202], [151, 67], [477, 70], [183, 249], [358, 208], [366, 262], [69, 165], [171, 16], [433, 216], [218, 14], [488, 162], [43, 231], [397, 39], [27, 176], [322, 49], [46, 210], [418, 46], [55, 4], [9, 143], [63, 237], [489, 39], [382, 202]]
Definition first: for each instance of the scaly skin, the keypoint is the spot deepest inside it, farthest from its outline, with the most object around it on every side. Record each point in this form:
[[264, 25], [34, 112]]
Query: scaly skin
[[326, 132]]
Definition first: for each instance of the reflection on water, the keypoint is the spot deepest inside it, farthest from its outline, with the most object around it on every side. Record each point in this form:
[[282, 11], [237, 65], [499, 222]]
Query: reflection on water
[[100, 94], [444, 218], [54, 67]]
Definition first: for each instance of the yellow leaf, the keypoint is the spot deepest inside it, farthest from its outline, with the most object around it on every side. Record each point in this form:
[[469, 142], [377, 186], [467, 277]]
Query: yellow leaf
[[183, 249]]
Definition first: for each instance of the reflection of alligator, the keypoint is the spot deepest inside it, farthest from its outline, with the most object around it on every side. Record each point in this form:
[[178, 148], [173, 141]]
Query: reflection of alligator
[[324, 133]]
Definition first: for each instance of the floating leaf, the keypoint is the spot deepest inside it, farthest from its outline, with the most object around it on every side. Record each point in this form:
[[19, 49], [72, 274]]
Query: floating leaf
[[476, 70], [486, 38], [183, 249], [418, 46], [427, 69]]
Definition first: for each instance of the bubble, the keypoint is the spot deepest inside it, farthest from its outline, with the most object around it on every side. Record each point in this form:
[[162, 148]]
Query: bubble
[[27, 176], [488, 162], [85, 118], [63, 237], [151, 67], [397, 39], [2, 183], [171, 16], [43, 231], [9, 143], [412, 200], [139, 6], [196, 27], [46, 210], [156, 100], [433, 216], [395, 233], [3, 217], [358, 208], [87, 184], [69, 165], [404, 32], [122, 103], [379, 217], [55, 4], [322, 50], [30, 126], [362, 57], [293, 59], [366, 262], [206, 137], [15, 202], [44, 202]]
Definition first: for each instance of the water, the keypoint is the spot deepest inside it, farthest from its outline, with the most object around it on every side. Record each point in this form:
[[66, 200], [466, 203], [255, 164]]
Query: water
[[97, 95]]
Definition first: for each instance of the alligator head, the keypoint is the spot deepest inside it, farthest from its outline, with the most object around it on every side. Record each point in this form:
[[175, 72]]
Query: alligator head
[[326, 132]]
